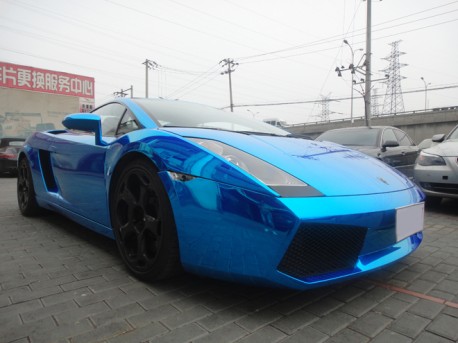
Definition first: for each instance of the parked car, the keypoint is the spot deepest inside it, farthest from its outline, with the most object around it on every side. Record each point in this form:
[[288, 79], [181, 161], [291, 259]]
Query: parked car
[[182, 185], [426, 143], [386, 143], [9, 149], [436, 170]]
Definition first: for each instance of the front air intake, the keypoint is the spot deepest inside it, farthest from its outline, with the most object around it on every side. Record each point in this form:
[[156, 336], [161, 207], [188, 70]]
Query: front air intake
[[322, 248]]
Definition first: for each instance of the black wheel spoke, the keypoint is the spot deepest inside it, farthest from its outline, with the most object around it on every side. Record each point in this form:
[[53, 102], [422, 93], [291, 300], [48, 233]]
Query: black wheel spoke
[[127, 195], [143, 256], [126, 231], [138, 217], [152, 225]]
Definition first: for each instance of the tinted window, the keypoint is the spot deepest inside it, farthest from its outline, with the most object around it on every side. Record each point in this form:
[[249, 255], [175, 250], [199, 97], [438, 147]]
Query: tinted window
[[128, 123], [186, 114], [16, 143], [388, 135], [402, 137], [110, 115], [453, 134], [352, 137]]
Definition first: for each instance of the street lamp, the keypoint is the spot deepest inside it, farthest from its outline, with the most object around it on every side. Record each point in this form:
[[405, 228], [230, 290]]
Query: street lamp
[[426, 91], [252, 113], [352, 77]]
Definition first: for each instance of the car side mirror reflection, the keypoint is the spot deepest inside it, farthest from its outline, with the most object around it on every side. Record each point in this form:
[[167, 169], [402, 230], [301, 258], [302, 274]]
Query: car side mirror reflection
[[438, 138]]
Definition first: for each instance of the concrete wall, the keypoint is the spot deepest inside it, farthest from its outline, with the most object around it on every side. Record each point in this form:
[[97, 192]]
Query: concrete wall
[[21, 111], [417, 125]]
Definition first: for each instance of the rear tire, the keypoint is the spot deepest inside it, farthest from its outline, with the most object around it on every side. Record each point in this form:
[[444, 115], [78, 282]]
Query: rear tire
[[25, 191], [143, 222]]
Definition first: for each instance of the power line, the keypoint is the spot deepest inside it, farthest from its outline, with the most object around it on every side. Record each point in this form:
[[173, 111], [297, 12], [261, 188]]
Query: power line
[[226, 21], [340, 37], [207, 33], [212, 70], [336, 99]]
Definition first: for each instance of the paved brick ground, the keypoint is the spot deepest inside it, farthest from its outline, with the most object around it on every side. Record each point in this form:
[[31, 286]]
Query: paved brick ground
[[62, 283]]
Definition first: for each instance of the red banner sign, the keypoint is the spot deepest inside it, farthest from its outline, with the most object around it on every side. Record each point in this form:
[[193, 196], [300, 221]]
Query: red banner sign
[[47, 81]]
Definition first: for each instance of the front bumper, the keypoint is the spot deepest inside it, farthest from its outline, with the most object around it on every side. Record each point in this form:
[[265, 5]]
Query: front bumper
[[238, 235], [439, 181]]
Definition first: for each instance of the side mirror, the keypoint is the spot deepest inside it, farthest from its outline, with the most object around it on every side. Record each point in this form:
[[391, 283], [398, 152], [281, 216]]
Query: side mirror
[[389, 144], [85, 122], [438, 138]]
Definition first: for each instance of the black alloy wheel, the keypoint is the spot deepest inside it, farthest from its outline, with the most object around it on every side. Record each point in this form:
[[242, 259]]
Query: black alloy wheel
[[25, 191], [143, 222]]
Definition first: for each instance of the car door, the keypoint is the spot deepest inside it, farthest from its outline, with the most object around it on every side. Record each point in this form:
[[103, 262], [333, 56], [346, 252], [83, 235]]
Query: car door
[[78, 165], [409, 150], [393, 156]]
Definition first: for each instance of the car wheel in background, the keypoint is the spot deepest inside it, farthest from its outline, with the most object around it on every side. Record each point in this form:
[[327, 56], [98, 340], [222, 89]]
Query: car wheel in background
[[25, 192], [143, 222]]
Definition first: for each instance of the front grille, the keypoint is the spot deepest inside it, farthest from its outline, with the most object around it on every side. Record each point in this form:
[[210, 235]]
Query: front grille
[[322, 248], [448, 188]]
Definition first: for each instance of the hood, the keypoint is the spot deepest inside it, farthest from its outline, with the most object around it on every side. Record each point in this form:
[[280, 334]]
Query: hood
[[332, 169], [368, 150], [445, 149]]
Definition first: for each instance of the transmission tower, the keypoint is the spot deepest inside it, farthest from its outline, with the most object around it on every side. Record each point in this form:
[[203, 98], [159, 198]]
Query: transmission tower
[[393, 97], [374, 103], [325, 108]]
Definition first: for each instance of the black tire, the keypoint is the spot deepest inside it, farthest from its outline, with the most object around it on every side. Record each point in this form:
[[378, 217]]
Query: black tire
[[25, 191], [143, 222], [433, 201]]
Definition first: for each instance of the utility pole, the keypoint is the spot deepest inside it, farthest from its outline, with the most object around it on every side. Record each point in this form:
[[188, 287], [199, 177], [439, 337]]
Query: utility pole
[[229, 63], [122, 93], [367, 93], [148, 65], [426, 91]]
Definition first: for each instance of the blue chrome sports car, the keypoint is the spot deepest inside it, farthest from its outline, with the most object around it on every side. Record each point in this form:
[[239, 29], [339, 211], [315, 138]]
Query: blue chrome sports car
[[181, 185]]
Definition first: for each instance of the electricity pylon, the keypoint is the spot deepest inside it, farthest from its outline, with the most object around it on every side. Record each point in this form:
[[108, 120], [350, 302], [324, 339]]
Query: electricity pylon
[[394, 102]]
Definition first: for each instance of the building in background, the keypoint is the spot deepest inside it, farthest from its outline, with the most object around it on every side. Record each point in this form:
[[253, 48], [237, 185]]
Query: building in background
[[34, 99]]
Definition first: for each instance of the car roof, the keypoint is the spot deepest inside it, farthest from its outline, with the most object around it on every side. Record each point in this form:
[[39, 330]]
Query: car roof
[[363, 127]]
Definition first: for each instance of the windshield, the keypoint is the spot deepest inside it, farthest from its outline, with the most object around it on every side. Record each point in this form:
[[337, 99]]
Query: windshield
[[453, 134], [185, 114], [353, 137]]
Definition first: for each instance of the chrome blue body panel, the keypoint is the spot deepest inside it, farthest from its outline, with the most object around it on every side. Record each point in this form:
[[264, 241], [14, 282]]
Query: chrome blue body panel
[[229, 224]]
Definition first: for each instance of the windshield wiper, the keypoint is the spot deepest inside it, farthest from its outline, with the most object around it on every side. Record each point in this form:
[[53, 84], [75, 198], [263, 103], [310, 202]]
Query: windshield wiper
[[260, 133], [195, 127]]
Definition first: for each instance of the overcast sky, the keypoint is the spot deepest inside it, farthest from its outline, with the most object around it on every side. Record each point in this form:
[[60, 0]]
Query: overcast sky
[[287, 50]]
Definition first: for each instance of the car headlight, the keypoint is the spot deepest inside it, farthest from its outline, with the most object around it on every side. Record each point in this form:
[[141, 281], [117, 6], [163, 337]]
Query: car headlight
[[425, 159], [281, 182]]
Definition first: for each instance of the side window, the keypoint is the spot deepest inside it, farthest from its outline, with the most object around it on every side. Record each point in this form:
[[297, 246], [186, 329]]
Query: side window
[[388, 135], [110, 115], [128, 124], [453, 134], [403, 139]]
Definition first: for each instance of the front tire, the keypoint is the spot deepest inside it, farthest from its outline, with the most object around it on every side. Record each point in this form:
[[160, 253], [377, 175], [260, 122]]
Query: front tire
[[143, 223], [25, 191]]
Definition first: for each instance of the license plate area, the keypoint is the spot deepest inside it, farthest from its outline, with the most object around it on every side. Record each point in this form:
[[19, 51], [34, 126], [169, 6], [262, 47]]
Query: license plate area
[[409, 220]]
